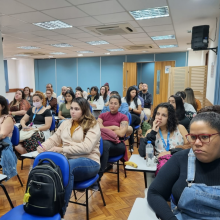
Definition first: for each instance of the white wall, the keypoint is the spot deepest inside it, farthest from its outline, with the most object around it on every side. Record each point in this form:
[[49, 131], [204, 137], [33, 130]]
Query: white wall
[[196, 58], [20, 74]]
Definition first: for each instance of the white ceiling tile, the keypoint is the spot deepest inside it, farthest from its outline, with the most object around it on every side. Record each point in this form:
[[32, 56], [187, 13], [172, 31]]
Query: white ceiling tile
[[44, 33], [111, 37], [101, 8], [139, 30], [65, 13], [33, 17], [13, 7], [161, 33], [134, 40], [45, 4], [123, 44], [8, 30], [134, 24], [7, 21], [155, 21], [27, 27], [71, 41], [50, 42], [117, 41], [139, 35], [58, 37], [168, 27], [68, 31], [77, 22], [80, 2], [39, 39], [141, 4], [166, 42], [117, 17], [80, 35], [87, 39]]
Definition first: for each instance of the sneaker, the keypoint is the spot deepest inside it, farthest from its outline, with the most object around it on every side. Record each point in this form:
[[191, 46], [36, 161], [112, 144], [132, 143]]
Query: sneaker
[[109, 167], [94, 187], [131, 149]]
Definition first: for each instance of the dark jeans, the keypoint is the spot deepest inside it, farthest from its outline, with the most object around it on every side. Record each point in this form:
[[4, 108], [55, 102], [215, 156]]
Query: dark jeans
[[80, 169], [110, 149], [135, 120]]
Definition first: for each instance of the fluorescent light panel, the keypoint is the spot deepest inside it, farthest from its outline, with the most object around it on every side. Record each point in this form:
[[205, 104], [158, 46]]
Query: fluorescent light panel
[[85, 51], [97, 42], [80, 55], [112, 50], [57, 53], [149, 13], [22, 55], [28, 47], [165, 37], [52, 25], [61, 45], [168, 46]]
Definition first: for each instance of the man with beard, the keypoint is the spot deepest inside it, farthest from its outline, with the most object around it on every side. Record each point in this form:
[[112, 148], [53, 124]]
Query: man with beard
[[61, 98]]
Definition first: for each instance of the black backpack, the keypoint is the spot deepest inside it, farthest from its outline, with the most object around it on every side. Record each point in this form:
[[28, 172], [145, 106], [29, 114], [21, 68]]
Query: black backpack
[[45, 192]]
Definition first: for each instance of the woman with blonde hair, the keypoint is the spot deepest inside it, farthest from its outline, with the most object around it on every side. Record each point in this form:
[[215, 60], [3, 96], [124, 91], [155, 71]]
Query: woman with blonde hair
[[190, 98]]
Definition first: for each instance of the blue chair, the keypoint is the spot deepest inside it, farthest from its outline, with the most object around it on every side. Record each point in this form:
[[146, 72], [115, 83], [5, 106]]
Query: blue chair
[[91, 108], [18, 212], [57, 109], [52, 128], [84, 185]]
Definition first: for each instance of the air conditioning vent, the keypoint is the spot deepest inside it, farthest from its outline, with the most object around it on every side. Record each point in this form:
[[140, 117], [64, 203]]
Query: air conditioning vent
[[139, 47], [108, 30]]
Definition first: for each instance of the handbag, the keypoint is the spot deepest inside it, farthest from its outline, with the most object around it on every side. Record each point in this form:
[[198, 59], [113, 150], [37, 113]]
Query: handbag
[[27, 134]]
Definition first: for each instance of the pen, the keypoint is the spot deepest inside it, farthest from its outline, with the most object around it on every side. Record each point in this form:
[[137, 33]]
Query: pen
[[40, 144]]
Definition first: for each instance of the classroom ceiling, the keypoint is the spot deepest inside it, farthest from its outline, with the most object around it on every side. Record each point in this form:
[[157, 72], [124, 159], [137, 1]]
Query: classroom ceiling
[[17, 16]]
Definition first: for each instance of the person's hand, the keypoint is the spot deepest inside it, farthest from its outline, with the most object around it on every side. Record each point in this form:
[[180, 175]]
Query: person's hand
[[115, 128], [27, 128], [107, 104], [40, 149], [56, 149], [156, 124], [163, 153], [10, 113], [130, 108]]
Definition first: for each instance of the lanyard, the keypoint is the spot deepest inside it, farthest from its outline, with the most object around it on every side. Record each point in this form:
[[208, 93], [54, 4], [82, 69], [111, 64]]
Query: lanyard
[[48, 101], [36, 113], [166, 146]]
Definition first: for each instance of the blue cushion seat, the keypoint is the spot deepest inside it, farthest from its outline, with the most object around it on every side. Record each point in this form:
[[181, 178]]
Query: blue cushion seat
[[115, 159], [85, 184]]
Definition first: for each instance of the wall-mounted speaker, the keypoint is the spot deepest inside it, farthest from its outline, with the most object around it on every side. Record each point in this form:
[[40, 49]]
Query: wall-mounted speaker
[[200, 37]]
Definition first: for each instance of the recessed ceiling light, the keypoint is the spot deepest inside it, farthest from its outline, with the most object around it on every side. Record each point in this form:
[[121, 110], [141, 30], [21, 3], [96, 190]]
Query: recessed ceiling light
[[57, 53], [144, 51], [28, 47], [85, 51], [166, 37], [112, 50], [22, 55], [189, 48], [97, 42], [51, 25], [13, 58], [168, 46], [50, 56], [61, 45], [107, 53], [149, 13], [80, 55]]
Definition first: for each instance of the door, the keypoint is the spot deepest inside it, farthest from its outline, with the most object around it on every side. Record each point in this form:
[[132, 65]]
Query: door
[[129, 76], [161, 82]]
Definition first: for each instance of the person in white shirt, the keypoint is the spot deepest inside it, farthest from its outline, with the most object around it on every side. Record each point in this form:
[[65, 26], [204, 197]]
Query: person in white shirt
[[135, 109], [50, 86], [85, 94], [61, 98], [96, 101]]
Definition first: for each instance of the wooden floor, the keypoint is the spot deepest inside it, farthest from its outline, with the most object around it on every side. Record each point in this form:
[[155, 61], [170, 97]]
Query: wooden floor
[[118, 205]]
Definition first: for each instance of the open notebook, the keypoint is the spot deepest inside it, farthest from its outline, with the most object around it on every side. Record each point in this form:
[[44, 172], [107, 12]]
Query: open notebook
[[34, 153]]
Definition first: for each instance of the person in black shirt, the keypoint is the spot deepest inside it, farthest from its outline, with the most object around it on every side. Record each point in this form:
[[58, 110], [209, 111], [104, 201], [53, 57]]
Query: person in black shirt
[[204, 138], [37, 117]]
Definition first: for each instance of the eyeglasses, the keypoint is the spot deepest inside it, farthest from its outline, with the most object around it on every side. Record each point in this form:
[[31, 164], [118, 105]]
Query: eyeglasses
[[204, 138]]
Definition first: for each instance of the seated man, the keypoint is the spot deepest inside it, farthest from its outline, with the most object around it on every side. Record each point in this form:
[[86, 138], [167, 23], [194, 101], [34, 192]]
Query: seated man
[[50, 86]]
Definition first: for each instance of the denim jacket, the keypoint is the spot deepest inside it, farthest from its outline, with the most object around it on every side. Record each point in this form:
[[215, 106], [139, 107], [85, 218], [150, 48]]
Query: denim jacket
[[8, 160]]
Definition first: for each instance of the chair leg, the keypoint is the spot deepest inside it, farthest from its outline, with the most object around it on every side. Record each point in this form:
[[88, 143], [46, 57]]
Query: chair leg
[[75, 194], [6, 193], [22, 164], [124, 169], [118, 175], [100, 189], [20, 180], [87, 205]]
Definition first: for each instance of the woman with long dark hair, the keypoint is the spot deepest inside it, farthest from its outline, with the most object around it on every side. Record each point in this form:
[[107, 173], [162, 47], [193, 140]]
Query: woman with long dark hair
[[19, 106], [165, 134], [104, 94], [134, 104], [27, 94], [190, 98], [177, 103], [80, 139]]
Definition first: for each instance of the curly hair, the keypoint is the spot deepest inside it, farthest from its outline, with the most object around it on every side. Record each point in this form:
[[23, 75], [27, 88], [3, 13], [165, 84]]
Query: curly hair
[[41, 96], [172, 121], [214, 108]]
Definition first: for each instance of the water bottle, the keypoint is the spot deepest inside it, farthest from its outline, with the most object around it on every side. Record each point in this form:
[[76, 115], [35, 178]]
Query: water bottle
[[149, 154]]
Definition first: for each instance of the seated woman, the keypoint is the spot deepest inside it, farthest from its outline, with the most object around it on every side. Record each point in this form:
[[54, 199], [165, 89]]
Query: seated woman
[[79, 94], [64, 110], [192, 175], [8, 159], [51, 102], [177, 103], [190, 98], [80, 139], [95, 101], [170, 133], [85, 94], [27, 94], [104, 94], [118, 123], [135, 109], [36, 117], [19, 106]]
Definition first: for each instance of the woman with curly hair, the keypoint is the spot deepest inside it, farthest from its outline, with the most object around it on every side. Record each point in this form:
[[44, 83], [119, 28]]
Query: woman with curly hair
[[165, 134]]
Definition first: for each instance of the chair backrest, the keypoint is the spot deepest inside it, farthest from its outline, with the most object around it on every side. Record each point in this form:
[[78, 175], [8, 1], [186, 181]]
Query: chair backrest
[[129, 118], [52, 127], [15, 136], [57, 109], [101, 146], [7, 101], [60, 160], [91, 108]]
